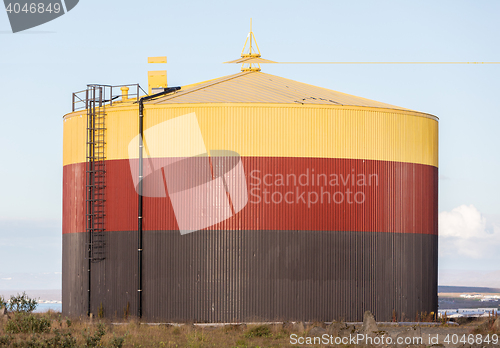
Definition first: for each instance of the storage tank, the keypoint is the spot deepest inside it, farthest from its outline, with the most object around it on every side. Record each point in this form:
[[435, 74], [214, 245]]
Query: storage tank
[[263, 199]]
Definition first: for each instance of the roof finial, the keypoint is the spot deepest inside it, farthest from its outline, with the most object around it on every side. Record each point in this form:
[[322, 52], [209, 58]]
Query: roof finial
[[250, 57], [251, 53], [251, 35]]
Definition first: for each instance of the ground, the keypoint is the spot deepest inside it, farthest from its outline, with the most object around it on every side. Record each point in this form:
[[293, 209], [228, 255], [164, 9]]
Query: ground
[[83, 332]]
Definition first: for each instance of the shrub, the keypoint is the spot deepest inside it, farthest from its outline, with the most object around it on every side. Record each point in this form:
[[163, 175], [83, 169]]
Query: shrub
[[259, 331], [4, 340], [3, 303], [58, 341], [100, 313], [241, 343], [27, 323], [34, 342], [61, 340], [95, 339], [21, 304], [117, 342]]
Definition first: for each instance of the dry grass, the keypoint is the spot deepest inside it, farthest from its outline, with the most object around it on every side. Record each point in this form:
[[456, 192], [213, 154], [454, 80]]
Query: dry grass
[[76, 332], [143, 335]]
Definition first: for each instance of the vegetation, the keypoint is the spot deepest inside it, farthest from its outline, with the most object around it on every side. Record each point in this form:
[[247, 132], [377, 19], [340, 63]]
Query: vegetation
[[489, 325], [26, 329], [60, 332], [27, 323], [23, 328], [21, 304], [259, 331], [3, 303]]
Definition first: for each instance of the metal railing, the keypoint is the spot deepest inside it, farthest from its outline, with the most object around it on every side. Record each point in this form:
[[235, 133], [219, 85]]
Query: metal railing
[[81, 100]]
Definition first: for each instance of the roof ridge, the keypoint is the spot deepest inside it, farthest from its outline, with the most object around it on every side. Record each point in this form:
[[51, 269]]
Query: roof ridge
[[202, 86]]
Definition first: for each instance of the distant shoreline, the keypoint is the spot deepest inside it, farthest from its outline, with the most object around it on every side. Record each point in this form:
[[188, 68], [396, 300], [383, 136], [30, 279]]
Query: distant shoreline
[[466, 289], [40, 295]]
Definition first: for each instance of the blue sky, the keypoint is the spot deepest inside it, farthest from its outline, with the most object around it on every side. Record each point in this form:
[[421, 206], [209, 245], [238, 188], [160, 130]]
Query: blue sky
[[109, 41]]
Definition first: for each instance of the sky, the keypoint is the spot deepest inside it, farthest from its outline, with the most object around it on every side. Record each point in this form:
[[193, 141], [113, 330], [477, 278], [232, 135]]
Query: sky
[[108, 42]]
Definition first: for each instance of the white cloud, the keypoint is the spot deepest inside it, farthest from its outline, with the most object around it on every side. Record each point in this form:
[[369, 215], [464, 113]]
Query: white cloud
[[463, 221], [464, 231]]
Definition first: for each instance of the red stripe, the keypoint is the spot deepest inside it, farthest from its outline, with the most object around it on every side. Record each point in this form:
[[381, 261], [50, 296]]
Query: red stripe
[[74, 198], [404, 201]]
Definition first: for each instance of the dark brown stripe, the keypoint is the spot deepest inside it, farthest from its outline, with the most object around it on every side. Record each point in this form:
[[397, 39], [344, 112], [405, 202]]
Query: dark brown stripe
[[228, 276]]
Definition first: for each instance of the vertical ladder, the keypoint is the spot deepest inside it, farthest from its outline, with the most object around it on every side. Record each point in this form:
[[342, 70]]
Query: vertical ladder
[[96, 172]]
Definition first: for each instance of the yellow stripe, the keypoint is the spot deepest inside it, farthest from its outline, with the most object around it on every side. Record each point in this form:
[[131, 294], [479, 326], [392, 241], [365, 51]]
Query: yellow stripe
[[276, 130]]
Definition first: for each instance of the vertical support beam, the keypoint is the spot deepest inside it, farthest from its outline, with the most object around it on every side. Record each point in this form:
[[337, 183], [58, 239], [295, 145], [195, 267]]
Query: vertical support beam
[[90, 111], [139, 191], [139, 214]]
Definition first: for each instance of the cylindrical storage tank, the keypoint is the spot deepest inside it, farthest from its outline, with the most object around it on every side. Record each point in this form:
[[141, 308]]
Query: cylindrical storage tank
[[318, 205]]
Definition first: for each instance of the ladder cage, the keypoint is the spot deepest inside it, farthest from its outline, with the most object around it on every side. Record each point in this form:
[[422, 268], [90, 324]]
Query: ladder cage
[[96, 170], [94, 100]]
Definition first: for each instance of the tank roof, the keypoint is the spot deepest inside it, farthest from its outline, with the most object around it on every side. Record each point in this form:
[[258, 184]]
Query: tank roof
[[259, 87]]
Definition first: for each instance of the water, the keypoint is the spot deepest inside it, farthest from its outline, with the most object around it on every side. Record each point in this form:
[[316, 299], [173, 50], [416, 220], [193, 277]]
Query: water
[[44, 307]]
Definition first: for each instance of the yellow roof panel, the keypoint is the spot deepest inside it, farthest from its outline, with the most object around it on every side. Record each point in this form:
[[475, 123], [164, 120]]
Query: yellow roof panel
[[157, 59], [250, 60], [259, 87]]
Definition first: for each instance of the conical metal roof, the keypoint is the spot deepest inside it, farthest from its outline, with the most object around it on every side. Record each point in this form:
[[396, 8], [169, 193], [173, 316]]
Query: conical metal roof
[[259, 87]]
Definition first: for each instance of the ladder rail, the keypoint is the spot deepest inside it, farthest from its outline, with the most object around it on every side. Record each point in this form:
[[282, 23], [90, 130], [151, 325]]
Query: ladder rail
[[96, 172], [94, 100]]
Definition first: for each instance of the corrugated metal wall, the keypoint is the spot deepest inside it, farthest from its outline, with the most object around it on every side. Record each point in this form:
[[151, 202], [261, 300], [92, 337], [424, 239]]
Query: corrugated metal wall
[[269, 261], [403, 200], [279, 130], [228, 276]]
